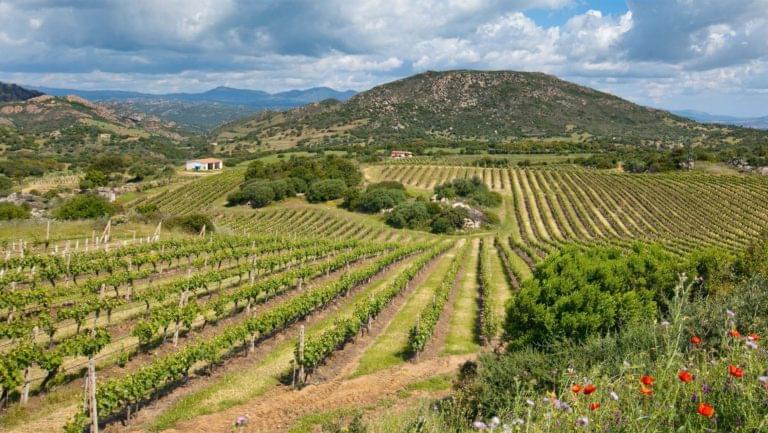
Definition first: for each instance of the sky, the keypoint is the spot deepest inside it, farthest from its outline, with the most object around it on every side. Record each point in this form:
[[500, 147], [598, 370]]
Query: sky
[[707, 55]]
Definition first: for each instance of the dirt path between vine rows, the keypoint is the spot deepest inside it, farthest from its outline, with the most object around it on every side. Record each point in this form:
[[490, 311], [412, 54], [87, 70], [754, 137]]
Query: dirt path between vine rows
[[278, 410]]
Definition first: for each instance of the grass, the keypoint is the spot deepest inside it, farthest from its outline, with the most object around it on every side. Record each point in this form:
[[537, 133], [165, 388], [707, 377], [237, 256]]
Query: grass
[[389, 347], [462, 334], [229, 391], [441, 382], [500, 290]]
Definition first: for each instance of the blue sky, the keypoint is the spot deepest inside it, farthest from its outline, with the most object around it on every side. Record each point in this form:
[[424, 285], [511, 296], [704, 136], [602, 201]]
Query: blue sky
[[701, 54]]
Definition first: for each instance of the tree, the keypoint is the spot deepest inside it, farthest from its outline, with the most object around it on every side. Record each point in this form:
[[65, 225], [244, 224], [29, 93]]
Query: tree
[[328, 189], [9, 211], [84, 206], [93, 179], [192, 223]]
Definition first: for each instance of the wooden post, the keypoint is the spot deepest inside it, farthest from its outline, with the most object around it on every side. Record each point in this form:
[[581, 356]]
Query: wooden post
[[47, 232], [25, 389], [92, 395], [301, 354]]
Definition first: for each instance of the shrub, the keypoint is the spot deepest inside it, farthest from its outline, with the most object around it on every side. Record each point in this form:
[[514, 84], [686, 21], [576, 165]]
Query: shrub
[[576, 293], [9, 211], [93, 179], [84, 206], [192, 223], [6, 185], [409, 215], [324, 190], [379, 198], [473, 190]]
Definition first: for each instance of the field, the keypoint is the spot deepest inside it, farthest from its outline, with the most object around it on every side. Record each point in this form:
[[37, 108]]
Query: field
[[295, 314]]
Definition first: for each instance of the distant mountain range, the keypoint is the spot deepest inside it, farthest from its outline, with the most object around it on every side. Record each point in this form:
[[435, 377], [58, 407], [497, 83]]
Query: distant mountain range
[[201, 112], [12, 93], [703, 117], [254, 99]]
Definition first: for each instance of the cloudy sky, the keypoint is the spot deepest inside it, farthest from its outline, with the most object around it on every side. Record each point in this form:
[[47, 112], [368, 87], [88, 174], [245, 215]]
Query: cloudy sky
[[710, 55]]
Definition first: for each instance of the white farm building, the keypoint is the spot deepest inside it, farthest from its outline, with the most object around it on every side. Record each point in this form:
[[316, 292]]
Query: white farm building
[[205, 164]]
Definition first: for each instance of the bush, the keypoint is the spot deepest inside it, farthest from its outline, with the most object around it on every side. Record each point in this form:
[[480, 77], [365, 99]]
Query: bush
[[6, 185], [9, 211], [84, 206], [324, 190], [93, 179], [409, 215], [473, 190], [576, 293], [192, 223], [375, 200]]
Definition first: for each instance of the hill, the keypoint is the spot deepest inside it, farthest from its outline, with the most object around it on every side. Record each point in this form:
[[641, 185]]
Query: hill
[[204, 111], [13, 92], [487, 106]]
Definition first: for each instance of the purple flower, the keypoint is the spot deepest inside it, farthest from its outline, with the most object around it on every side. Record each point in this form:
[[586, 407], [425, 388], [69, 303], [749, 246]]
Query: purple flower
[[582, 421], [561, 405], [705, 388], [694, 398], [479, 425], [241, 421]]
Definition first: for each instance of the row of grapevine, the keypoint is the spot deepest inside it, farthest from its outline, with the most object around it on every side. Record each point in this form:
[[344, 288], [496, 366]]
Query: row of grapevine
[[489, 324], [419, 334], [318, 347], [122, 392]]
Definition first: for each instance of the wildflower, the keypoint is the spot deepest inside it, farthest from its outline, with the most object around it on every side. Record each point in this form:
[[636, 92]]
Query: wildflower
[[694, 398], [480, 425], [582, 421], [594, 406], [753, 337], [695, 340], [561, 405], [530, 402], [706, 410], [735, 371], [645, 390], [517, 421], [576, 388], [589, 389], [685, 376], [730, 314], [664, 323], [646, 380], [763, 380], [495, 421], [614, 396], [734, 333], [241, 421], [705, 388], [751, 344]]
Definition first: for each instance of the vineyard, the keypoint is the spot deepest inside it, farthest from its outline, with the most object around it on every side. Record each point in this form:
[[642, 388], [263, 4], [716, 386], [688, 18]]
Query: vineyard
[[547, 207], [161, 330]]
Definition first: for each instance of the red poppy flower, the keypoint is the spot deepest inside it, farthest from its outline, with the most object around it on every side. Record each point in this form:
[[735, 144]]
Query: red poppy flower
[[594, 406], [645, 390], [753, 337], [685, 376], [589, 389], [734, 333], [695, 340], [646, 380], [576, 388], [735, 371], [706, 410]]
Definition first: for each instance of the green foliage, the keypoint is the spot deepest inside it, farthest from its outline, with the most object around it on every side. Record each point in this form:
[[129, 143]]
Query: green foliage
[[576, 293], [10, 211], [473, 190], [84, 206], [419, 215], [307, 169], [375, 198], [192, 223], [94, 178], [328, 189], [6, 185]]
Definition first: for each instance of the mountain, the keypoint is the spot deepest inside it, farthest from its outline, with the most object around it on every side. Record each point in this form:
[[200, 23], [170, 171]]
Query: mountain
[[12, 92], [201, 112], [703, 117], [485, 106], [255, 99]]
